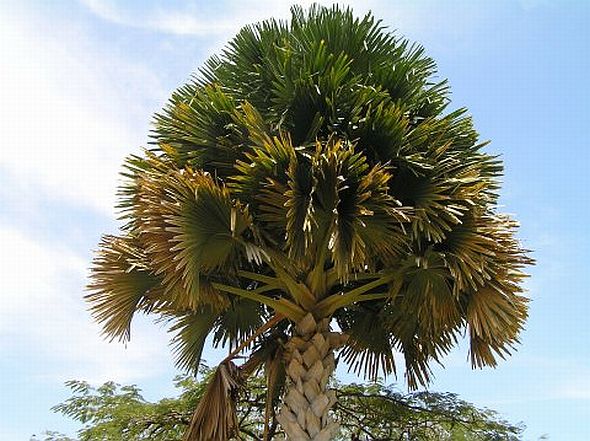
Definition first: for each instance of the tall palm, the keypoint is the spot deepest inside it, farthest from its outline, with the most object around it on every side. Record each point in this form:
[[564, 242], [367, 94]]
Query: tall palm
[[311, 176]]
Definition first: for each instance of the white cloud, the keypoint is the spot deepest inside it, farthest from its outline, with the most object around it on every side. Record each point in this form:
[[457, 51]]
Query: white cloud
[[566, 378], [105, 9], [190, 21], [66, 116], [71, 109], [173, 22], [572, 379], [578, 389], [42, 313], [452, 19], [439, 25]]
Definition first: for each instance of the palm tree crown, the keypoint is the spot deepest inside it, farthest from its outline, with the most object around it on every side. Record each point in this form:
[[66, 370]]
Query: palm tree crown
[[313, 171]]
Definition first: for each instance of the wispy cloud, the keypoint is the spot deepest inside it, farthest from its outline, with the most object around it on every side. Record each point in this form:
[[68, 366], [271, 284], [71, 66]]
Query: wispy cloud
[[159, 20], [216, 22], [43, 314], [189, 19], [67, 116], [577, 388]]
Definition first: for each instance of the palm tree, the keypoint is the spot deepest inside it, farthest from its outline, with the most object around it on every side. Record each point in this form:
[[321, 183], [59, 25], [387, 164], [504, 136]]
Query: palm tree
[[308, 194]]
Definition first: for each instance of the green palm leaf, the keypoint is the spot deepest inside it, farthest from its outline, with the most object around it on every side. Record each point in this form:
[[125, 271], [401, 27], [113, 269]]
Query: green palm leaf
[[238, 322], [190, 332], [189, 226], [369, 349]]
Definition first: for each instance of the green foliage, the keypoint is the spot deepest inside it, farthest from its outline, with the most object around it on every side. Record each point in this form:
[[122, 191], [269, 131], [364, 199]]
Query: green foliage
[[313, 166], [114, 412], [377, 412], [366, 411]]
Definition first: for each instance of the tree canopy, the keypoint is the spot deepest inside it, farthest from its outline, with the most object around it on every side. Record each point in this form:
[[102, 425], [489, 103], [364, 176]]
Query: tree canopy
[[371, 411], [309, 192]]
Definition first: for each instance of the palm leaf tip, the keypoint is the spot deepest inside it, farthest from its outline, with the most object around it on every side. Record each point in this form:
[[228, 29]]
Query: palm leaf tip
[[495, 321], [120, 283], [190, 331]]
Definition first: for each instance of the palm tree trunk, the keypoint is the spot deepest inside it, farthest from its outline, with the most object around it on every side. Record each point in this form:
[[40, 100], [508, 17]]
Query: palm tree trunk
[[309, 359]]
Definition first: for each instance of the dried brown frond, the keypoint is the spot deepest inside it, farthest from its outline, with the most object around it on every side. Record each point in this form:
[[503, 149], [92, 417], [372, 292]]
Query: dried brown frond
[[215, 418]]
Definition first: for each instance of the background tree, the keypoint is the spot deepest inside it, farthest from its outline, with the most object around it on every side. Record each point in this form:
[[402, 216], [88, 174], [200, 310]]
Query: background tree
[[368, 412], [312, 175]]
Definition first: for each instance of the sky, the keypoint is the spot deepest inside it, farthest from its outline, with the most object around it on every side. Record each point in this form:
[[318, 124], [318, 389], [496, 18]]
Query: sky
[[79, 83]]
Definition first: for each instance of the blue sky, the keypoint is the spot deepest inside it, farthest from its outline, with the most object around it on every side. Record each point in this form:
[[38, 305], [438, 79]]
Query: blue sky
[[78, 84]]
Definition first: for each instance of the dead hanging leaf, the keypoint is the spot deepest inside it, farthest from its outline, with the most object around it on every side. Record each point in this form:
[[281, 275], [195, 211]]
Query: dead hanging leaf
[[215, 418]]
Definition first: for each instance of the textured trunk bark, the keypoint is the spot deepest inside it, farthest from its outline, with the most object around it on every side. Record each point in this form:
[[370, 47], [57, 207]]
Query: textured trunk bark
[[310, 363]]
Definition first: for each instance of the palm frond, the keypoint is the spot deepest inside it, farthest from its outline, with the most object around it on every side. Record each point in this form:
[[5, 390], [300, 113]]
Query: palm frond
[[442, 174], [481, 248], [368, 350], [215, 418], [189, 227], [199, 129], [421, 318], [190, 332], [120, 285], [495, 319], [428, 294], [276, 378], [370, 222], [238, 322], [420, 343]]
